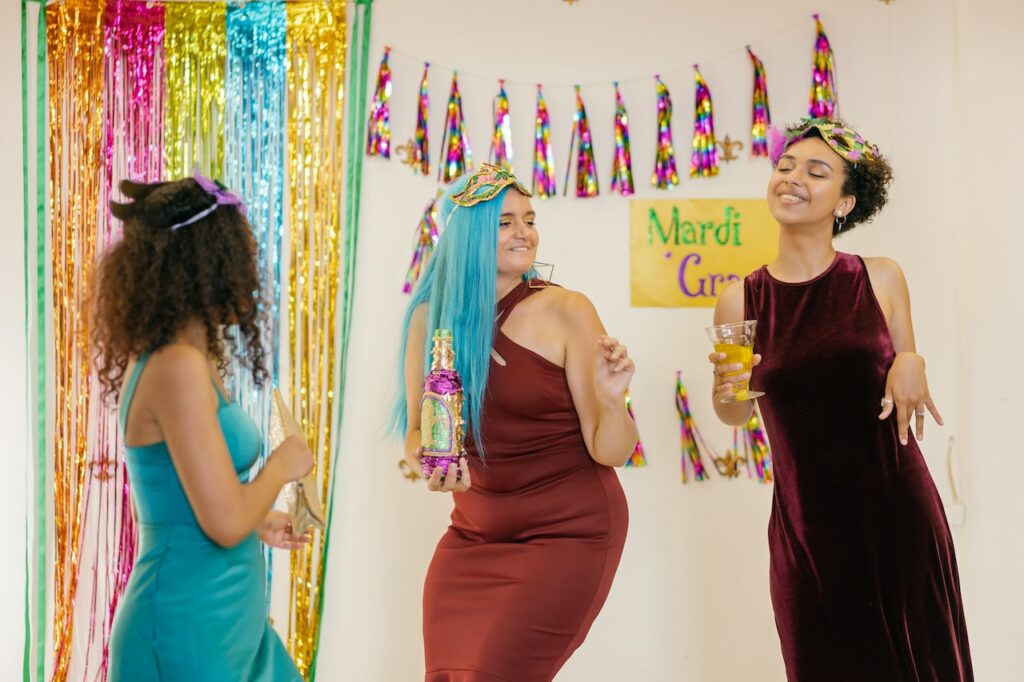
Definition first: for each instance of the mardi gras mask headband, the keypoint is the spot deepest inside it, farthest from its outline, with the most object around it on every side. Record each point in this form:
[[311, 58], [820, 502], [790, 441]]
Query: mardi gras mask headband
[[484, 184], [845, 142], [221, 195]]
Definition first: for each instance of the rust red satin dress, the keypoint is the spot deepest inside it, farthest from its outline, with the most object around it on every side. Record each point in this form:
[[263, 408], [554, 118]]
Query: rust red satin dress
[[526, 565], [863, 574]]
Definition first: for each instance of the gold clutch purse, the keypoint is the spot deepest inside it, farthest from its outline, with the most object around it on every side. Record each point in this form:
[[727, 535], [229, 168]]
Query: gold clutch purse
[[303, 502]]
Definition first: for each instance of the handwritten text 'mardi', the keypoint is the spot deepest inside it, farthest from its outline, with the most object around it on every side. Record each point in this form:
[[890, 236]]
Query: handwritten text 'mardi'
[[695, 281]]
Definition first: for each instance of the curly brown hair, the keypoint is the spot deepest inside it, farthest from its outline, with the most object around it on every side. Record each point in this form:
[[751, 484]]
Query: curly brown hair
[[156, 279], [867, 180]]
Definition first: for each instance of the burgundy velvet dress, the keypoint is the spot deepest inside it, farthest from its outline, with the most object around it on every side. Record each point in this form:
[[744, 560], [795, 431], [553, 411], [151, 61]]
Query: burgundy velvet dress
[[863, 574], [526, 565]]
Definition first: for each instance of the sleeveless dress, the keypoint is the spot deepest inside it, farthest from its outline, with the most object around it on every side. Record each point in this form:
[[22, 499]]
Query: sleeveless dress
[[863, 575], [193, 610], [526, 565]]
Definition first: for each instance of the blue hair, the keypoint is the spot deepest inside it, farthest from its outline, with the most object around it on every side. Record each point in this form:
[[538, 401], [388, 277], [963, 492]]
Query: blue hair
[[459, 287]]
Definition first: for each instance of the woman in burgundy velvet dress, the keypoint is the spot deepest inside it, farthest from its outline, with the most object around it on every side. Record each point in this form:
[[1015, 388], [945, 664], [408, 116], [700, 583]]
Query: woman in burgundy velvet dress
[[863, 575], [540, 518]]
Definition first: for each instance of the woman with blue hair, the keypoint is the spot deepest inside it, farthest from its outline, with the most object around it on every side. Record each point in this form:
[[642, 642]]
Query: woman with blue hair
[[540, 518]]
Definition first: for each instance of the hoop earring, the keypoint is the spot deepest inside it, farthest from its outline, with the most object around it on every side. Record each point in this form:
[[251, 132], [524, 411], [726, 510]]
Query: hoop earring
[[535, 274]]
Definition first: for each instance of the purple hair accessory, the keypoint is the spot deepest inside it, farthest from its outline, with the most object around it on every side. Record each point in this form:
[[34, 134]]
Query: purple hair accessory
[[218, 191], [220, 194], [776, 144]]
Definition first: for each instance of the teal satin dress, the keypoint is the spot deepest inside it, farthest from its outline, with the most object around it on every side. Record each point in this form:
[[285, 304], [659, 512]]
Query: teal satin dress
[[192, 610]]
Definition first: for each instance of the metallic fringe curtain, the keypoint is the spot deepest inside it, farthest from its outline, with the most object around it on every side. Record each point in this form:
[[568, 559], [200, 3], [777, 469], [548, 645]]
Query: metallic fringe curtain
[[316, 85]]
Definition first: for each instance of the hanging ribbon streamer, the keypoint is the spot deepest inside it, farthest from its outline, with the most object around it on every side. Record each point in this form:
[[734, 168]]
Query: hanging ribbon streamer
[[622, 165], [133, 97], [378, 137], [824, 98], [34, 86], [427, 234], [501, 145], [543, 156], [196, 52], [756, 444], [320, 262], [637, 458], [457, 156], [691, 442], [254, 139], [420, 161], [761, 117], [704, 161], [74, 41], [133, 148], [665, 175], [255, 134], [586, 169]]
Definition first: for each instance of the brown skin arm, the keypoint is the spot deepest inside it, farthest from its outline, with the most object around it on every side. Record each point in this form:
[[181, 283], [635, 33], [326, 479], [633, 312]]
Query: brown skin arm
[[598, 370], [185, 409], [729, 310], [906, 386]]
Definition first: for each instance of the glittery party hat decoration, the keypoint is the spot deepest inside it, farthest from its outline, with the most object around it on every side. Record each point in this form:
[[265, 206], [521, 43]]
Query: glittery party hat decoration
[[761, 116], [501, 144], [665, 175], [457, 157], [586, 169], [378, 136], [543, 157], [421, 143], [758, 450], [691, 442], [704, 161], [427, 234], [824, 98], [638, 458], [622, 165]]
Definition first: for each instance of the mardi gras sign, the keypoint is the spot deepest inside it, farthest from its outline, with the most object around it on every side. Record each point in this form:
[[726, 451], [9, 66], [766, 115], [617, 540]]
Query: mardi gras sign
[[683, 252]]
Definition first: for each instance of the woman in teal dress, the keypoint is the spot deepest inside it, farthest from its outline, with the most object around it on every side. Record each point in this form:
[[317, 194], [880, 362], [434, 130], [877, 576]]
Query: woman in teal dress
[[194, 608]]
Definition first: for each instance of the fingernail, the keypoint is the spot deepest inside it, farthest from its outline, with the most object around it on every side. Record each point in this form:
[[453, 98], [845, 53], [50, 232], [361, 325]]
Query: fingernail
[[903, 441]]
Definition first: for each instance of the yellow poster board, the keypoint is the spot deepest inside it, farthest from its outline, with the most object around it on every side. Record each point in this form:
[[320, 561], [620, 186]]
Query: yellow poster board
[[684, 251]]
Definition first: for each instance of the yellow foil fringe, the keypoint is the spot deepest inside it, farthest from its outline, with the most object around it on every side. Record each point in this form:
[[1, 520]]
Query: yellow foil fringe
[[316, 36], [195, 46]]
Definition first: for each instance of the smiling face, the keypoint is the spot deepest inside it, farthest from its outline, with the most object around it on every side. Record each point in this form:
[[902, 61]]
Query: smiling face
[[517, 236], [806, 186]]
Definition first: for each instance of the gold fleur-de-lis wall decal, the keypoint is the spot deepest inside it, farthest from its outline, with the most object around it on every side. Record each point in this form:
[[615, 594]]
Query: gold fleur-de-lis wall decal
[[407, 153], [729, 148], [103, 469], [729, 465]]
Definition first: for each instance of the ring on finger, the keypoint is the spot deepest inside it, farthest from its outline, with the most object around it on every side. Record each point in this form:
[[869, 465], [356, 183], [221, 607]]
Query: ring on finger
[[886, 401]]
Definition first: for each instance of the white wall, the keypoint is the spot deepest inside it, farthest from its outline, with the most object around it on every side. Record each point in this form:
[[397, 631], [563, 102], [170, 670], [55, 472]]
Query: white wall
[[690, 600], [988, 241], [921, 78], [13, 407]]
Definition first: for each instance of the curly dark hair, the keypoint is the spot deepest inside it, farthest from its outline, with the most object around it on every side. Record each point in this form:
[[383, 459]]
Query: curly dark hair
[[156, 279], [867, 180]]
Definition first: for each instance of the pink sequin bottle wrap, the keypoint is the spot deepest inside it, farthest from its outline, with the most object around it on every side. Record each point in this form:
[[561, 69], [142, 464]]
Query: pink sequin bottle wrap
[[441, 424]]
